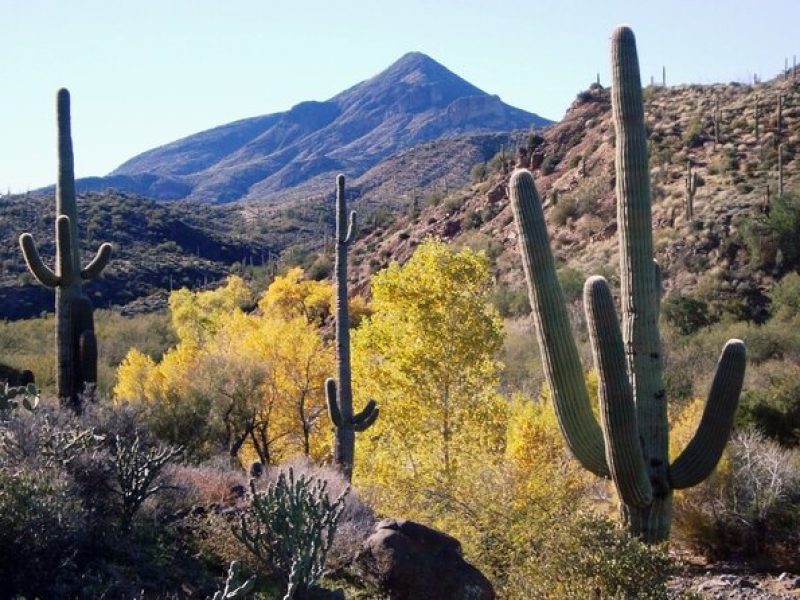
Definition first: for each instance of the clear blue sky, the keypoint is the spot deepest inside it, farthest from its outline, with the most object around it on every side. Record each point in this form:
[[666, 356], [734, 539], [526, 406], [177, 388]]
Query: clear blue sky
[[146, 72]]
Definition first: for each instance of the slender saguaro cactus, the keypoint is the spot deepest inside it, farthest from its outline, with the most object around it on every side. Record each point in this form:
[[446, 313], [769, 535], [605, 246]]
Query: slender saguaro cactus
[[717, 118], [690, 184], [630, 444], [340, 394], [780, 170], [76, 346], [755, 115], [779, 118]]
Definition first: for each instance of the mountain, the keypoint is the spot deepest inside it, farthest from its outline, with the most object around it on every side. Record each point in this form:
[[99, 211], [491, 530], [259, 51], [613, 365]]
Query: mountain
[[299, 151], [428, 190]]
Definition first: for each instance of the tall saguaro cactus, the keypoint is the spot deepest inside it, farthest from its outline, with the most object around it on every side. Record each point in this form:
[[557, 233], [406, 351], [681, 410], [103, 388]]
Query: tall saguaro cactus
[[630, 444], [76, 345], [340, 393]]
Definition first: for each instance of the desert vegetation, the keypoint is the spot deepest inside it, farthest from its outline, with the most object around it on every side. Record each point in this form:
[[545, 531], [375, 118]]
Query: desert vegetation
[[271, 435]]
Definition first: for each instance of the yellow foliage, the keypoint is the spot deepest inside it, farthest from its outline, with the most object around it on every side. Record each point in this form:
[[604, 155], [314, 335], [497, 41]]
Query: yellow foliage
[[292, 295], [251, 382], [133, 374], [427, 355], [197, 315]]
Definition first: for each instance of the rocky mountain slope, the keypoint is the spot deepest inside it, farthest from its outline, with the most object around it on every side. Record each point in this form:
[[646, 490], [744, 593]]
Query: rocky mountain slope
[[425, 191], [708, 254], [300, 151]]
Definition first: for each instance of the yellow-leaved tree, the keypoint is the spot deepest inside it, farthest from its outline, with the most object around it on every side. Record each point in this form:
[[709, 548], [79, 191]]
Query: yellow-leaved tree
[[251, 383], [428, 355]]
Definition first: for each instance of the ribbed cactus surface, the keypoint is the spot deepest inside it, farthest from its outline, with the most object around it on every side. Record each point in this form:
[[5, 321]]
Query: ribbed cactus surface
[[340, 392], [76, 345], [630, 444]]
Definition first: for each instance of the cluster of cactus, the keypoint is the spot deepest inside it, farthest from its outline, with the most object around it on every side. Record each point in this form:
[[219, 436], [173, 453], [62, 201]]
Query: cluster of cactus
[[14, 397], [137, 469], [290, 526], [234, 590], [340, 393], [690, 185], [630, 445], [76, 345]]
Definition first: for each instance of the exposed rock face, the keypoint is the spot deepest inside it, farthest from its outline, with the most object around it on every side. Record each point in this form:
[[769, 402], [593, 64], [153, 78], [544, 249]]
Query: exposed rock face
[[409, 561]]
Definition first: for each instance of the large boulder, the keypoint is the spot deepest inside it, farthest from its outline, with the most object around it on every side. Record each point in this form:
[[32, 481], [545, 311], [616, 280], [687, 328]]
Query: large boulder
[[409, 561]]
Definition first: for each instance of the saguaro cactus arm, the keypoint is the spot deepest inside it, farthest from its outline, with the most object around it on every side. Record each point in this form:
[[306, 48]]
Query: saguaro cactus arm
[[333, 403], [559, 353], [99, 262], [362, 420], [703, 452], [33, 260], [617, 408]]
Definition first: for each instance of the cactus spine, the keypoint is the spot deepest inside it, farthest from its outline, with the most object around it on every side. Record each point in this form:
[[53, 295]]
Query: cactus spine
[[340, 393], [691, 188], [630, 445], [76, 345]]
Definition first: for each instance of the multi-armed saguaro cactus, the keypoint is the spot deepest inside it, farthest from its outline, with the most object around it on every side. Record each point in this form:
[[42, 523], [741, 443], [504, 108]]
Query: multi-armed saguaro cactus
[[340, 394], [631, 443], [76, 346]]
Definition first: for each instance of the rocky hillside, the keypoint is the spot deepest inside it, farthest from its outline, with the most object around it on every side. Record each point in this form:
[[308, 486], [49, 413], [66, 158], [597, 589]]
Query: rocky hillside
[[156, 247], [710, 253], [300, 151]]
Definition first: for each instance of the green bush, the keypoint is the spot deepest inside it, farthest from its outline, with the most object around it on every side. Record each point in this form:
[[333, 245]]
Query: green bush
[[511, 302], [550, 163], [785, 296], [478, 172], [774, 408], [686, 314]]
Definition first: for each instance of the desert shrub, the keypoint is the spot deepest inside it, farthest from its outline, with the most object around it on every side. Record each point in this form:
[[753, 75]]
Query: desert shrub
[[453, 203], [510, 302], [473, 219], [550, 163], [773, 406], [571, 281], [290, 527], [785, 296], [524, 518], [686, 314], [776, 237], [748, 508], [42, 525], [478, 172], [693, 135], [498, 162]]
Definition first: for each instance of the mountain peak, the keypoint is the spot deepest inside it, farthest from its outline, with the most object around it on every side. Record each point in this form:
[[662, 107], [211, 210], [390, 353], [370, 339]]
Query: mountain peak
[[419, 69], [415, 99]]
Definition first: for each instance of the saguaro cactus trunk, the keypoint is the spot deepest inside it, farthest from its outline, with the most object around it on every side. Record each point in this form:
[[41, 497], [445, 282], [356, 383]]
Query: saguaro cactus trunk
[[630, 444], [340, 394], [76, 346]]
